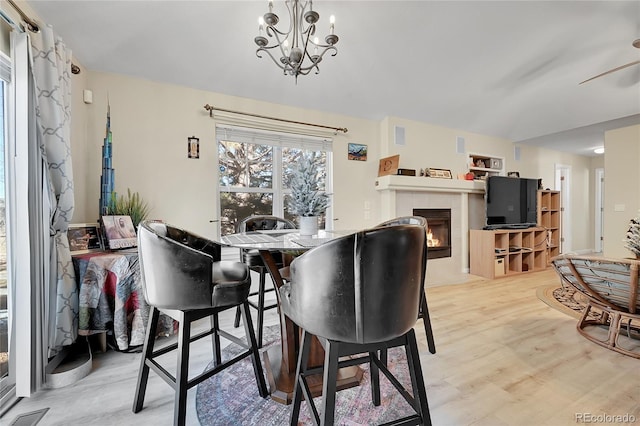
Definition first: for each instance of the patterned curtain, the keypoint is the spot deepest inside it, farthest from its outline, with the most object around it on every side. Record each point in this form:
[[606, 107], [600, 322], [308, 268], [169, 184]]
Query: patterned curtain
[[51, 64]]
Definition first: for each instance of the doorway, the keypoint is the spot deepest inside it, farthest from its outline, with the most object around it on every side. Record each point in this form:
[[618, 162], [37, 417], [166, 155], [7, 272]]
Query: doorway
[[599, 213], [563, 184]]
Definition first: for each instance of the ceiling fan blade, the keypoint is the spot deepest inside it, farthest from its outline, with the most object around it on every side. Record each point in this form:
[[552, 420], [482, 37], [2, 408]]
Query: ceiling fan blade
[[613, 70]]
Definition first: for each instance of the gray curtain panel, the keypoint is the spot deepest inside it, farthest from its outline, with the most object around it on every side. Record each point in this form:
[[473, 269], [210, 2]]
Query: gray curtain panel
[[51, 61]]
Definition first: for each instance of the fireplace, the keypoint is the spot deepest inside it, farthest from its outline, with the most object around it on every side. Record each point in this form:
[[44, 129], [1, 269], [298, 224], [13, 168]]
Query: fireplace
[[438, 232]]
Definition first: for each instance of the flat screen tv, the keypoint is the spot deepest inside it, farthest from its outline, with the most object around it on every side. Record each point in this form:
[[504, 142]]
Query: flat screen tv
[[511, 202]]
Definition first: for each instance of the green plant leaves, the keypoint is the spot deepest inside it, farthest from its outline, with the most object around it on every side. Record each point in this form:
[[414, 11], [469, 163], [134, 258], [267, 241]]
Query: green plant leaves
[[130, 205]]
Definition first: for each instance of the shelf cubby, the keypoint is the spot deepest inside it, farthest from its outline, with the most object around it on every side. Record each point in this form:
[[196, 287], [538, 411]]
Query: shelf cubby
[[549, 218], [491, 256]]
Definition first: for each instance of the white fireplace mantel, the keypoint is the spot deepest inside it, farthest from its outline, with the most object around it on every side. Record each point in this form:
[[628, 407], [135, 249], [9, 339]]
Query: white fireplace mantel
[[420, 183], [390, 185]]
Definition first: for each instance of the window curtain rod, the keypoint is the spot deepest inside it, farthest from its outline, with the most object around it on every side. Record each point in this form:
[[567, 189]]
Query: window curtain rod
[[212, 108], [34, 28]]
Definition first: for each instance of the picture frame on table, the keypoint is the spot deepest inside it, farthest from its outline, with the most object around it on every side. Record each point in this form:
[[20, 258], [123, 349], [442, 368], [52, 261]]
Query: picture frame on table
[[84, 238], [119, 232], [438, 173]]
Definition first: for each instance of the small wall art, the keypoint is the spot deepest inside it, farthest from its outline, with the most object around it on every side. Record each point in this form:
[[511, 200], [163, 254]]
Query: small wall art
[[193, 147], [389, 165], [357, 152]]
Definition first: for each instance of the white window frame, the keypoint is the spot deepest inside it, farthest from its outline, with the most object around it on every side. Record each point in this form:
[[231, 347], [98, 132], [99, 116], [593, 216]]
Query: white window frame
[[277, 140]]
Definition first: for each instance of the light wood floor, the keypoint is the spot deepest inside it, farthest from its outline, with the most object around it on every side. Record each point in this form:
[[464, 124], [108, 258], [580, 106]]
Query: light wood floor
[[503, 358]]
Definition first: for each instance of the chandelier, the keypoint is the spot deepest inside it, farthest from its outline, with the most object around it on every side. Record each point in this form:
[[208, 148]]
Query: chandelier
[[298, 49]]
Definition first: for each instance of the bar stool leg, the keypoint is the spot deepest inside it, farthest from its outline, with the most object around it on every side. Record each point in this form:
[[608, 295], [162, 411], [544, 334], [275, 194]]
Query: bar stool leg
[[375, 376], [301, 368], [330, 377], [255, 354], [182, 371], [215, 340], [424, 313], [417, 380], [143, 372], [261, 285]]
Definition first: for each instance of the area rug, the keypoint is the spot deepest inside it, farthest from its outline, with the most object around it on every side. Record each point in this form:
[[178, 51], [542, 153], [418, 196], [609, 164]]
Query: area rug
[[231, 397], [565, 299]]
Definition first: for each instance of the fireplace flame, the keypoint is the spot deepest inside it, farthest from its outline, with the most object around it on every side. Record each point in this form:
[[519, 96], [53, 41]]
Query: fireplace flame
[[432, 242]]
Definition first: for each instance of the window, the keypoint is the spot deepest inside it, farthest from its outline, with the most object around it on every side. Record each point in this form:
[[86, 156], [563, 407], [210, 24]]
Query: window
[[254, 167]]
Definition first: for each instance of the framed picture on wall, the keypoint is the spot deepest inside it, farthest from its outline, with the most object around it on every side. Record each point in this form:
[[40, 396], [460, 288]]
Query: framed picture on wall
[[193, 147], [84, 238], [119, 232], [357, 152]]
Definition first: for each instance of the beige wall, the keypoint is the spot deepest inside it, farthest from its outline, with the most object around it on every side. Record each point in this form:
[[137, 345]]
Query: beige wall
[[151, 123], [428, 145], [622, 187]]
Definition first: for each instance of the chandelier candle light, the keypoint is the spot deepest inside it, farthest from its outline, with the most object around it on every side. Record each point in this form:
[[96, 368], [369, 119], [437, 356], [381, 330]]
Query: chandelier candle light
[[300, 51]]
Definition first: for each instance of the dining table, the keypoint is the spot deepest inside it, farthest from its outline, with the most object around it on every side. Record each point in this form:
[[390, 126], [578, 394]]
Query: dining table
[[281, 360]]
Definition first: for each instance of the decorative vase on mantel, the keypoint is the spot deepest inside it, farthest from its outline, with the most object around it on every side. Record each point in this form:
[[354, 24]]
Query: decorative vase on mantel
[[308, 225]]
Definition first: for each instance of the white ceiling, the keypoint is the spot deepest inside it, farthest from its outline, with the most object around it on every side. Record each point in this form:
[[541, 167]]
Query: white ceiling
[[505, 69]]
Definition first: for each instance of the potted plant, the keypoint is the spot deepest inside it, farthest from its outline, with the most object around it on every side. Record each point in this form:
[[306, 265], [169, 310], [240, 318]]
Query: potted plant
[[632, 240], [307, 201], [129, 205]]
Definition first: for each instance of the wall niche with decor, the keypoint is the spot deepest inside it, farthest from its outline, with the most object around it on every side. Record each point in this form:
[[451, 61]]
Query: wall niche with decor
[[482, 166]]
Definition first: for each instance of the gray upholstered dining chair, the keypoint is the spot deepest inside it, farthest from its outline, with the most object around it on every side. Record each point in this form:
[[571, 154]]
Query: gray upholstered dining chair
[[424, 307], [357, 294], [184, 278], [254, 261]]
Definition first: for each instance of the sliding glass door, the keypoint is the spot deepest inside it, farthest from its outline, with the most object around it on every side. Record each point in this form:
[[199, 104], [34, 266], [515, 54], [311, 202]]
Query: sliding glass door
[[7, 373]]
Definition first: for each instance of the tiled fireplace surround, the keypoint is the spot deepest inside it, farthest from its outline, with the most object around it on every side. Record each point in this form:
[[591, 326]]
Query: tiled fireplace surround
[[401, 194]]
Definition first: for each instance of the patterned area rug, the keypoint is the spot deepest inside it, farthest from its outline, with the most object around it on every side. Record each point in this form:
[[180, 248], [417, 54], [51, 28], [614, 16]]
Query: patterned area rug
[[231, 397], [565, 299]]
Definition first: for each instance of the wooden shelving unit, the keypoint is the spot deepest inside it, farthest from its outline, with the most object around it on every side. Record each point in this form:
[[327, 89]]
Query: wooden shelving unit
[[549, 211], [504, 252]]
